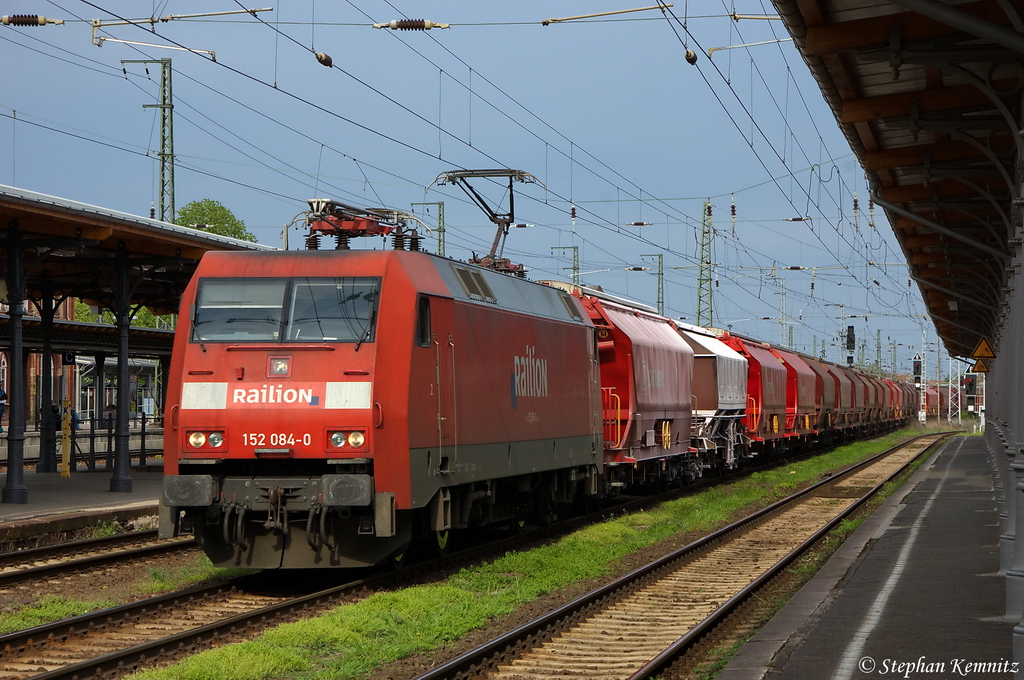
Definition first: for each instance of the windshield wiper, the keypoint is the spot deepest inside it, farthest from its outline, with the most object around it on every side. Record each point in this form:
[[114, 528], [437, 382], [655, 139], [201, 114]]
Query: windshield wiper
[[366, 331], [195, 326]]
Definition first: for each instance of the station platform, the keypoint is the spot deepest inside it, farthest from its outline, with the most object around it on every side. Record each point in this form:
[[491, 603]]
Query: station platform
[[913, 593], [63, 504]]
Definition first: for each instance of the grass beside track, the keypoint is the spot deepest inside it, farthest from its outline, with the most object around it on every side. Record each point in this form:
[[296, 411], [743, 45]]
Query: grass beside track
[[50, 608], [55, 608], [352, 640]]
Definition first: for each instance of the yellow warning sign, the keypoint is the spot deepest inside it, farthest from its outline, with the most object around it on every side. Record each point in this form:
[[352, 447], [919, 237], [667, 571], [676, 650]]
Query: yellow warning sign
[[980, 366], [983, 350]]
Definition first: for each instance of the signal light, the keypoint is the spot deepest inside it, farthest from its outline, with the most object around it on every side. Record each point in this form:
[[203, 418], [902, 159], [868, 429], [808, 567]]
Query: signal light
[[971, 383], [917, 368], [851, 339]]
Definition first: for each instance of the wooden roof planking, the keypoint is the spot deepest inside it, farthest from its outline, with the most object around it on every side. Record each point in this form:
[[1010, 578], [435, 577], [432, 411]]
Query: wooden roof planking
[[929, 96]]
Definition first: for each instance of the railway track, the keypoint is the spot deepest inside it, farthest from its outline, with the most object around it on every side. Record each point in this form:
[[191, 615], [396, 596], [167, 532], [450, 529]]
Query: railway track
[[639, 625], [115, 641], [76, 556]]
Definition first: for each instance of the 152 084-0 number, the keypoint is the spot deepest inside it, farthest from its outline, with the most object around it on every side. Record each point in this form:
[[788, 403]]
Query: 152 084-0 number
[[276, 439]]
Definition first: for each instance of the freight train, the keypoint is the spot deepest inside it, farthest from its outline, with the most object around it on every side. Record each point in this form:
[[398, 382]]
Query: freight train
[[328, 407]]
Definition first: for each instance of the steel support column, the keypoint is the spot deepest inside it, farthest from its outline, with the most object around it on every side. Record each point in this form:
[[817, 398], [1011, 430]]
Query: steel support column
[[1013, 398], [99, 390], [1015, 453], [15, 490], [122, 481], [47, 461]]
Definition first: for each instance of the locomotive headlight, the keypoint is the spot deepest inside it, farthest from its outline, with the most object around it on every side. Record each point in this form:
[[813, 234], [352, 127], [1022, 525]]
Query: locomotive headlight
[[356, 439], [215, 439], [197, 439], [337, 439], [279, 366]]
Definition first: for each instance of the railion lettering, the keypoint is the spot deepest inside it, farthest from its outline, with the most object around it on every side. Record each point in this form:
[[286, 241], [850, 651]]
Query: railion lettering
[[531, 375], [271, 394]]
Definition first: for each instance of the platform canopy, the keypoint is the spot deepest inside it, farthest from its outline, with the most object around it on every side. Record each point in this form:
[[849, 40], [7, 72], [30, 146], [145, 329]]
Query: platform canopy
[[72, 248], [52, 249], [929, 95]]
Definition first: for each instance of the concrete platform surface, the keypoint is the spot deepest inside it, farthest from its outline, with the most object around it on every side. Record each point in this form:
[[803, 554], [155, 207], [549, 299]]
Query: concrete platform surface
[[913, 593], [72, 502]]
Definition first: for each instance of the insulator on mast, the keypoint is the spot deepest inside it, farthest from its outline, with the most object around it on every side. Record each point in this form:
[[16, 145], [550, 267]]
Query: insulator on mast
[[28, 20], [411, 25], [856, 213]]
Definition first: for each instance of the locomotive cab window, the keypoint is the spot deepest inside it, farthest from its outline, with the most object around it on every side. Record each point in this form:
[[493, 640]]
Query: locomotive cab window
[[423, 322], [340, 309]]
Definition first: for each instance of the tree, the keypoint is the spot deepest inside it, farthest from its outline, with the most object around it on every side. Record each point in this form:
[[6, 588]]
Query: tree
[[144, 318], [209, 215]]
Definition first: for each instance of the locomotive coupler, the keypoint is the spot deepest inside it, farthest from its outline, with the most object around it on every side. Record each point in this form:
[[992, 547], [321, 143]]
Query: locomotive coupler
[[277, 514], [315, 534], [234, 532]]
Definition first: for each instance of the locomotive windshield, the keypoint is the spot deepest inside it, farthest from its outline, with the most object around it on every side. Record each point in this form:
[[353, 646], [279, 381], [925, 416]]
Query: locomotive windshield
[[286, 310]]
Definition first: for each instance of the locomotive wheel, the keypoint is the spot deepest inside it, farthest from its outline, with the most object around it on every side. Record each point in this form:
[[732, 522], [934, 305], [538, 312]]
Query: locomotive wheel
[[518, 523], [441, 541], [397, 561]]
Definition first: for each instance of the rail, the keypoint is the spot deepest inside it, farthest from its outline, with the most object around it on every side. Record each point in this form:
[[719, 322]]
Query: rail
[[500, 651]]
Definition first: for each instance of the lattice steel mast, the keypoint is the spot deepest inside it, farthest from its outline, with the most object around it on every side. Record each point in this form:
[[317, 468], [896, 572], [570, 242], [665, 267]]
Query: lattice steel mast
[[705, 314], [165, 197]]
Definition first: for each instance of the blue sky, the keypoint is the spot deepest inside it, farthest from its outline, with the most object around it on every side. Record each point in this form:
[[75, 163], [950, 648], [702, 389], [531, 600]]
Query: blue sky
[[606, 113]]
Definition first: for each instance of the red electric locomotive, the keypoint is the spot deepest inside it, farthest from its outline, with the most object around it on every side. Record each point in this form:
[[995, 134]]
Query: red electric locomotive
[[326, 407]]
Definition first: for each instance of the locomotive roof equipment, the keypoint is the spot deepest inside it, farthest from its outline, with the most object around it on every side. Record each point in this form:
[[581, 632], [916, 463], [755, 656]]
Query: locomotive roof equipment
[[493, 259], [334, 218]]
